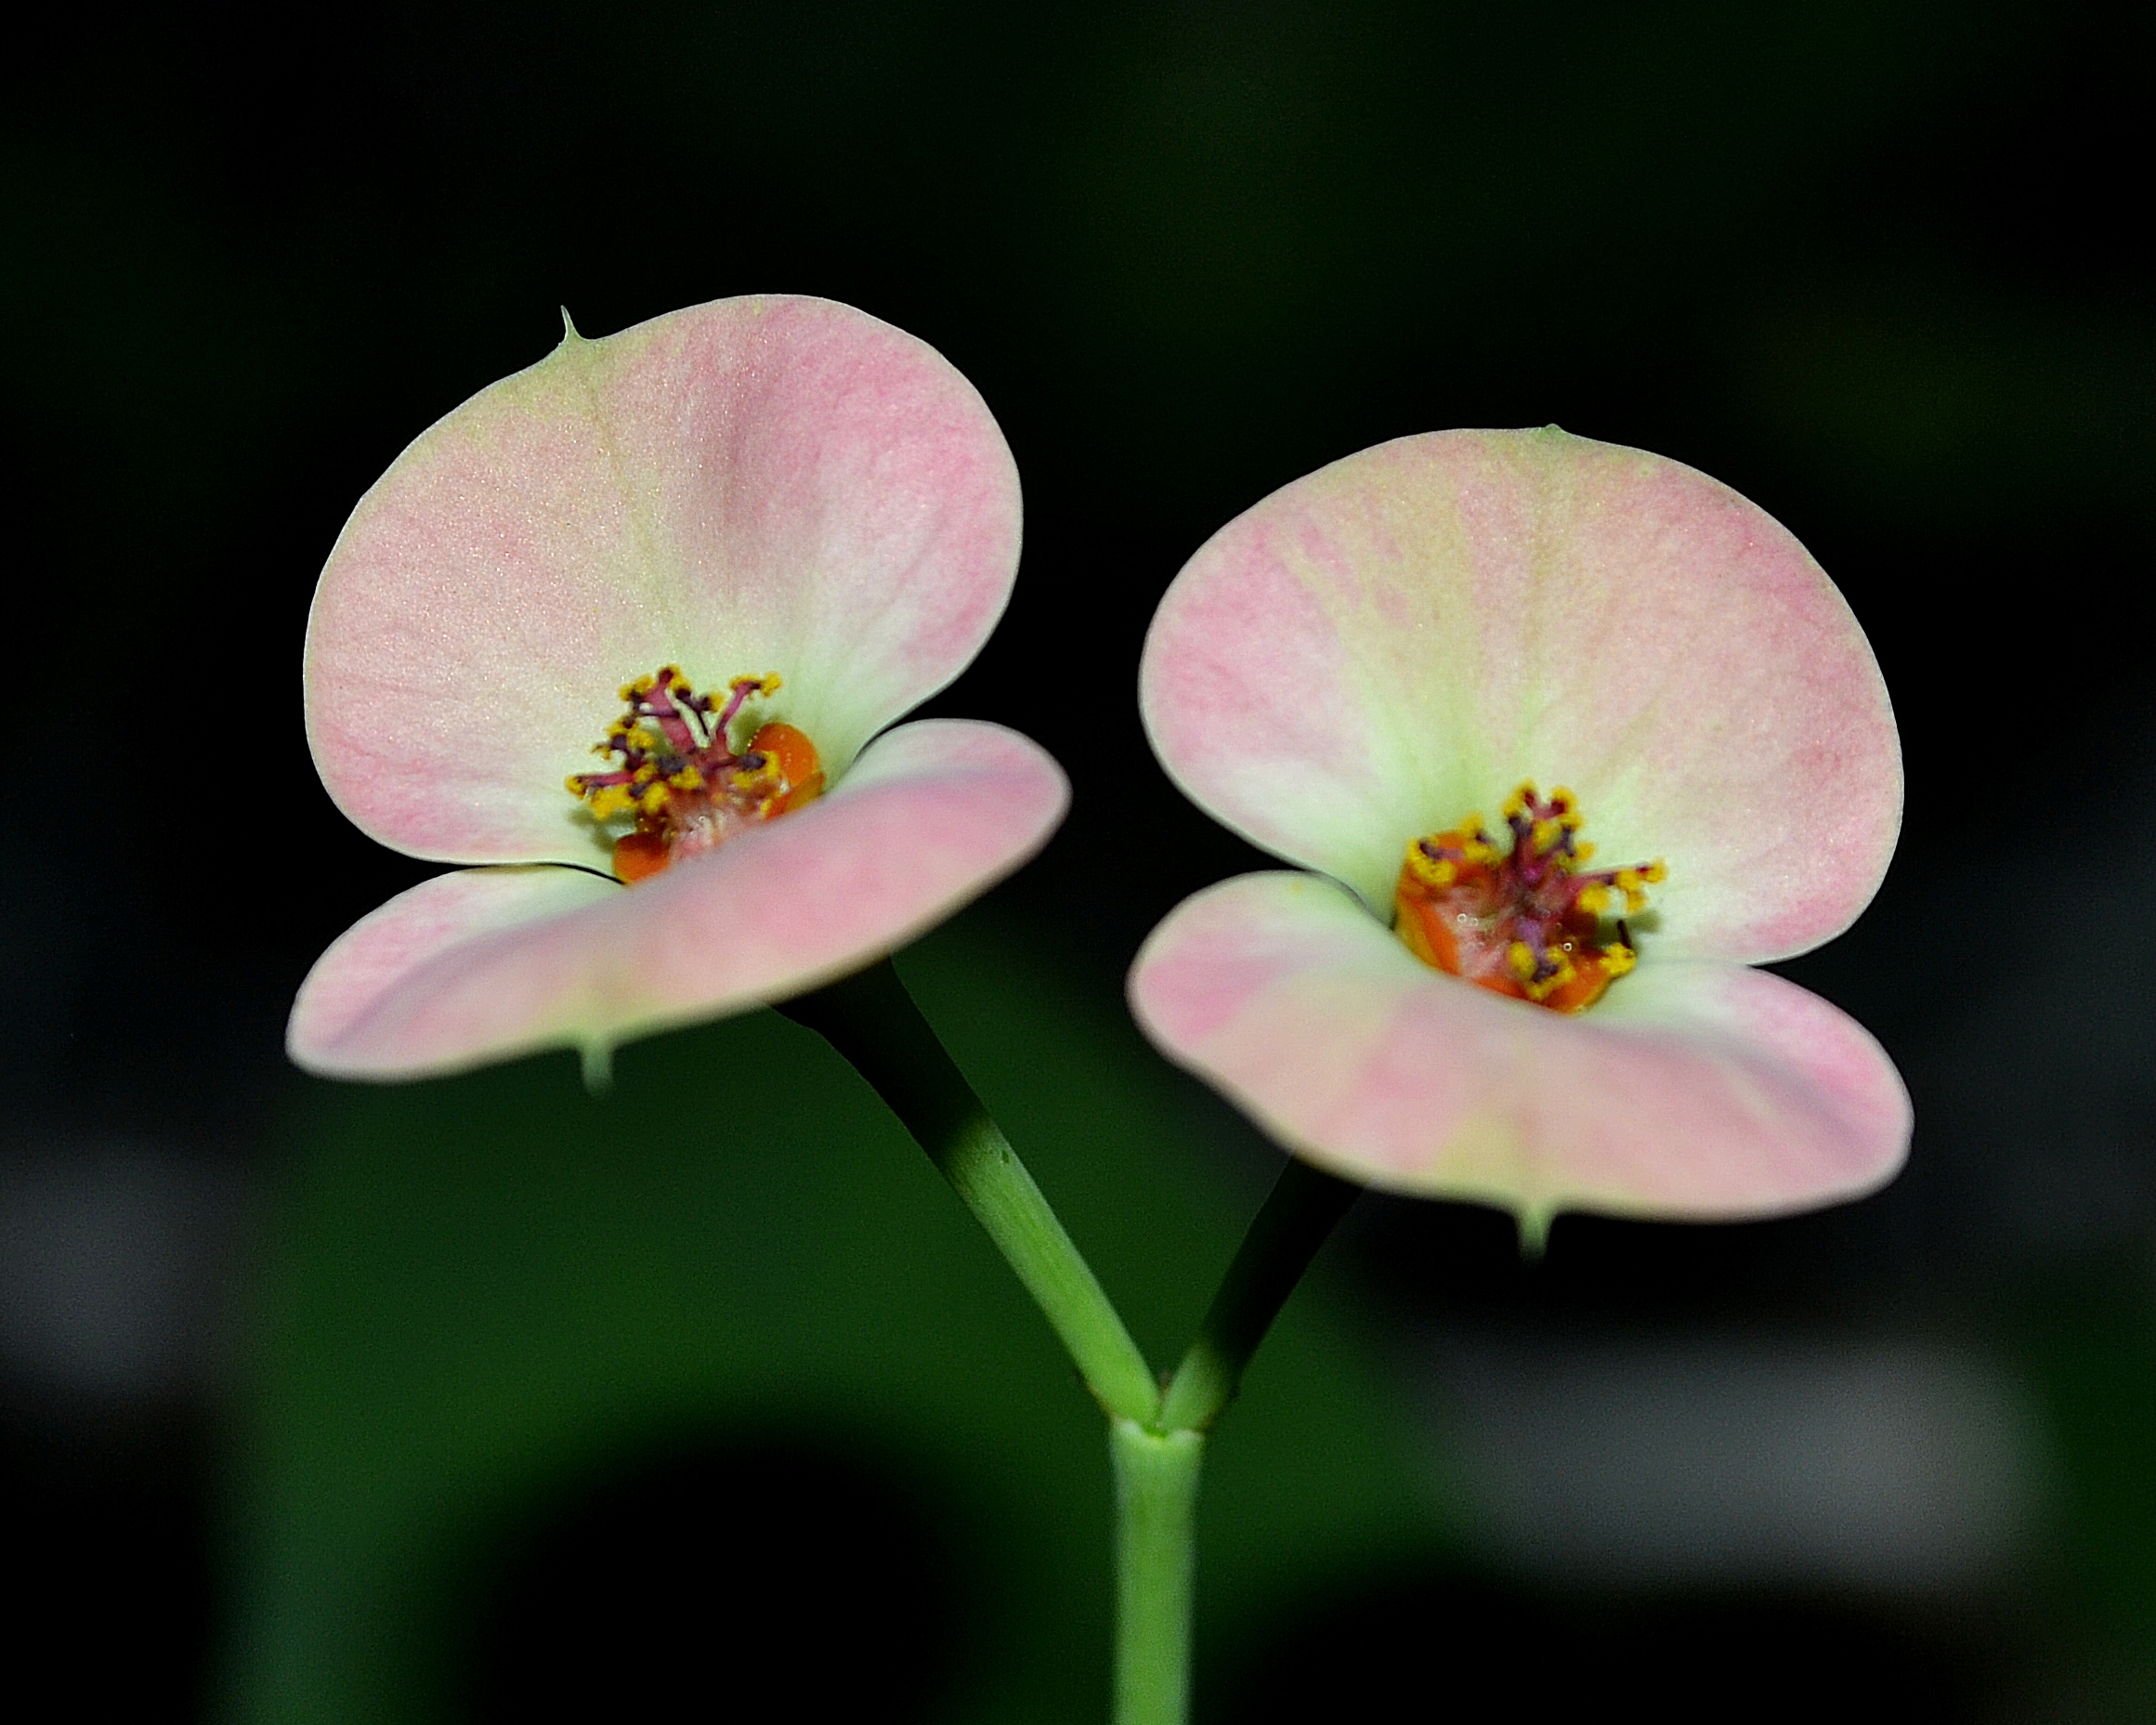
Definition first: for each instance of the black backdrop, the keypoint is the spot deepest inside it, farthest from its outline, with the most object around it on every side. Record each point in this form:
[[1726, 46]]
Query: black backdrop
[[1876, 266]]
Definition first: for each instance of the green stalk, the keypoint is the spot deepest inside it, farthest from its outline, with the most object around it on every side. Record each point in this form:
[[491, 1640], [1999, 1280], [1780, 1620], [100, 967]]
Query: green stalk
[[1156, 1441], [1298, 1214], [1156, 1467], [1156, 1475], [871, 1020]]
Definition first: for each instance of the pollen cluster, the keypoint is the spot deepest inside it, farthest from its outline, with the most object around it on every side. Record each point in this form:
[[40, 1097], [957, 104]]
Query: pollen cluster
[[1528, 921], [681, 781]]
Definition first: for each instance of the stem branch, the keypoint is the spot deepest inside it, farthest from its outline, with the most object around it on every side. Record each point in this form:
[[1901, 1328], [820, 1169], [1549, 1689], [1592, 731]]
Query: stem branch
[[1298, 1213], [871, 1020]]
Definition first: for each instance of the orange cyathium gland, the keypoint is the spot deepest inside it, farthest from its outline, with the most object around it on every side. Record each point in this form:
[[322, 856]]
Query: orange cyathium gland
[[682, 782], [1528, 923]]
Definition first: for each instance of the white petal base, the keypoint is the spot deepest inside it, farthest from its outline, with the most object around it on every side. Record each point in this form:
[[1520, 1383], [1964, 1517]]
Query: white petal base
[[1692, 1088], [487, 964]]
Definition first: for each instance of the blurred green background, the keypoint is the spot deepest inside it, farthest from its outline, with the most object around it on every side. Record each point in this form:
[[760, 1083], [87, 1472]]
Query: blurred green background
[[482, 1399]]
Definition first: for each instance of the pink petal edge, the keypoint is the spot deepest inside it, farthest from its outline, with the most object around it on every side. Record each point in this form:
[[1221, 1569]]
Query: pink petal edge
[[488, 963], [1392, 643], [769, 484], [1693, 1089]]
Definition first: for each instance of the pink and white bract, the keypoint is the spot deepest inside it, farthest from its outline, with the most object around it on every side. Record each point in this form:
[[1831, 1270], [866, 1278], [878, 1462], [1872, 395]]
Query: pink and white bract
[[1389, 645], [756, 486]]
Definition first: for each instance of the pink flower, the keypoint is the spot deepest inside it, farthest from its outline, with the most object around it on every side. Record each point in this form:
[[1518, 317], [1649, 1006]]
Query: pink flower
[[780, 500], [1351, 669]]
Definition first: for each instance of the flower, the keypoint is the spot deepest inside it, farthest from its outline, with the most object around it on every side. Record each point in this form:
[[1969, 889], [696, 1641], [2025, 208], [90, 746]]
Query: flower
[[1347, 671], [780, 499]]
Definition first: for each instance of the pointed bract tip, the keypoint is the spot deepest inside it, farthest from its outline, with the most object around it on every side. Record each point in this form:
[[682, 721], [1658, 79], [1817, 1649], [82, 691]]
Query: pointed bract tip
[[598, 1062], [1534, 1226], [569, 328]]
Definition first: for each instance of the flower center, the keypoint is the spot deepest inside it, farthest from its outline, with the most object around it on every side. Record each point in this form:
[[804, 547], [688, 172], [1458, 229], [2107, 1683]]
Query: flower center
[[1529, 923], [682, 781]]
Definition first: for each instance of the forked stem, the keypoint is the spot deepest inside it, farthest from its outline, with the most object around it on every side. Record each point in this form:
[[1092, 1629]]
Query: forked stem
[[1156, 1440]]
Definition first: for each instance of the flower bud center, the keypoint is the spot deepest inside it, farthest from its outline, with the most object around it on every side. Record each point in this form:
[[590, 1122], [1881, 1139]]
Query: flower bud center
[[1527, 922], [682, 782]]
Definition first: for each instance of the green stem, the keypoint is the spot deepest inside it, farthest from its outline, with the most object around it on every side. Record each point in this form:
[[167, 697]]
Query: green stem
[[871, 1020], [1156, 1474], [1300, 1211], [1156, 1467], [1156, 1443]]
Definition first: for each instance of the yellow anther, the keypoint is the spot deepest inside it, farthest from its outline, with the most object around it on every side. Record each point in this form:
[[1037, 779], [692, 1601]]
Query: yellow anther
[[1520, 958], [1562, 801], [1438, 871], [1517, 802], [575, 782], [1655, 872], [1617, 957], [1633, 884], [688, 778], [1543, 988], [1596, 900], [1546, 833], [655, 798], [1582, 851]]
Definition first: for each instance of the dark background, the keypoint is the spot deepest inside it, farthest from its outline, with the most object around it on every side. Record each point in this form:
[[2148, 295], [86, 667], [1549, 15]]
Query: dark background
[[1877, 266]]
